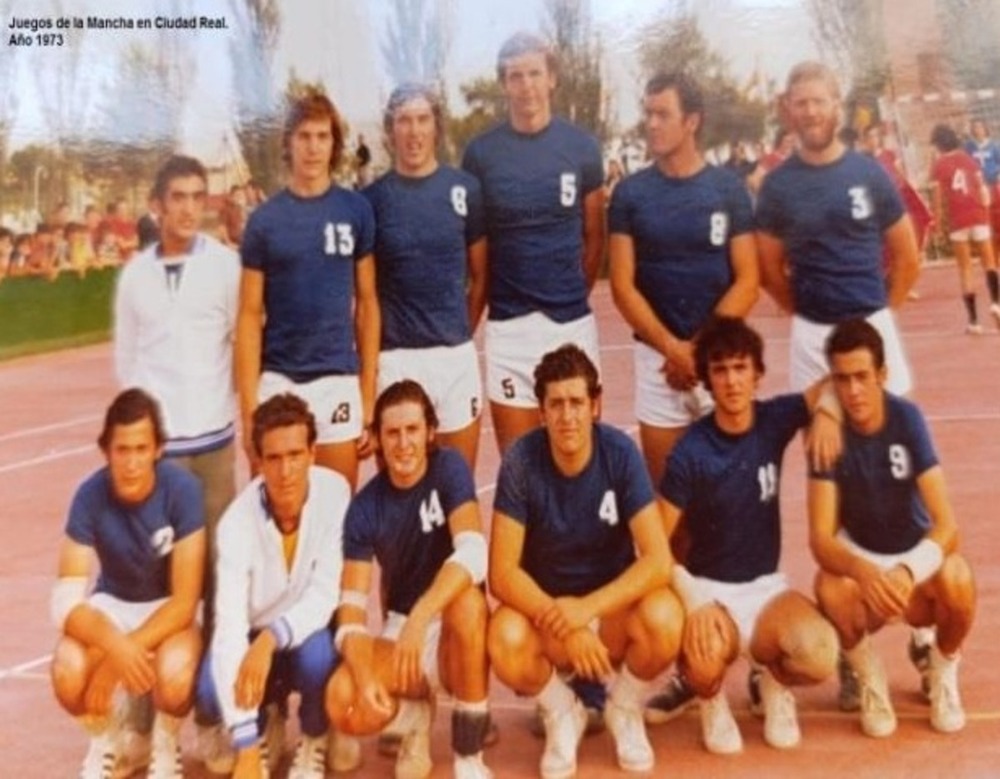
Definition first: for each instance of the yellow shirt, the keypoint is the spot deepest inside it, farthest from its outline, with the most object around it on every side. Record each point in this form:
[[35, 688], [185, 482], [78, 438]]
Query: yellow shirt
[[289, 541]]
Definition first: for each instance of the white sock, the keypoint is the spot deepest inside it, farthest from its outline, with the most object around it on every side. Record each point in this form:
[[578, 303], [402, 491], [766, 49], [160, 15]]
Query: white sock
[[628, 690], [168, 723], [412, 716], [473, 707], [861, 656], [556, 695], [924, 636]]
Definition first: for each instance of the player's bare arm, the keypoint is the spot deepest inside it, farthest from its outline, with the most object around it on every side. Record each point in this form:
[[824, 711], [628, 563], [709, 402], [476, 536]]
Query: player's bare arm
[[774, 270]]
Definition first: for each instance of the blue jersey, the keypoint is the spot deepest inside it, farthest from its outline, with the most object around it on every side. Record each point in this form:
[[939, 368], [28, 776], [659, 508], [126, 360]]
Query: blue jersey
[[533, 188], [133, 541], [577, 528], [306, 247], [831, 219], [880, 504], [987, 154], [728, 487], [424, 226], [406, 530], [681, 228]]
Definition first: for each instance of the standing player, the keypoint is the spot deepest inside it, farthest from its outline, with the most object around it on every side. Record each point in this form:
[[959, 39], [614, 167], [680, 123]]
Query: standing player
[[957, 182], [142, 518], [278, 575], [309, 315], [986, 152], [884, 534], [579, 563], [420, 520], [430, 257], [682, 247], [175, 316], [822, 218], [541, 179], [722, 485]]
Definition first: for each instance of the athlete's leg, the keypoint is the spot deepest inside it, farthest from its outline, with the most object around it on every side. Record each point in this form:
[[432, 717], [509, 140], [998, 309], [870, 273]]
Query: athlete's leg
[[465, 440], [963, 260], [341, 457], [72, 666], [793, 640], [346, 707], [511, 422], [948, 601], [176, 672]]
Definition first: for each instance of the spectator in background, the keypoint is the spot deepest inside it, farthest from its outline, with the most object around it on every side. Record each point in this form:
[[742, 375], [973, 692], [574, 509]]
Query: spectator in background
[[615, 174], [6, 251], [739, 161], [119, 223], [362, 163], [233, 216], [986, 152], [18, 265], [148, 226], [92, 221], [80, 256], [42, 261]]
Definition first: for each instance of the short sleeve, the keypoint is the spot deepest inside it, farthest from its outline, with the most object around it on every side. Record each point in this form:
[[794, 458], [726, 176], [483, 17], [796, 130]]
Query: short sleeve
[[769, 211], [512, 489], [470, 161], [187, 507], [475, 219], [253, 247], [739, 206], [458, 487], [366, 229], [359, 531], [634, 485], [80, 523], [677, 483], [921, 446], [620, 210], [888, 203], [593, 167]]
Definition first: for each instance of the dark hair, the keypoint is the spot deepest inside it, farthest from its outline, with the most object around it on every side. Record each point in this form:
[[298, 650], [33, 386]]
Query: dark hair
[[727, 336], [853, 334], [282, 410], [521, 43], [5, 233], [405, 391], [689, 94], [131, 406], [313, 105], [944, 139], [985, 125], [402, 95], [176, 167], [569, 361]]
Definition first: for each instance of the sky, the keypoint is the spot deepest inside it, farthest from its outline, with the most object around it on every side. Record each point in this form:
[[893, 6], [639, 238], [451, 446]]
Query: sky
[[337, 41]]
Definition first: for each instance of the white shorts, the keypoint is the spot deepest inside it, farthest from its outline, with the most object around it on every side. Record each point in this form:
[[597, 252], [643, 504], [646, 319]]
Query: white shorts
[[883, 561], [656, 402], [974, 233], [125, 614], [449, 376], [807, 360], [335, 401], [514, 347], [393, 626], [744, 600]]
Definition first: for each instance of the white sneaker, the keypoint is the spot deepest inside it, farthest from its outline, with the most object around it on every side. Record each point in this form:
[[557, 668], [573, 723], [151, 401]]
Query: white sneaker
[[878, 719], [563, 731], [100, 759], [310, 758], [973, 328], [471, 767], [781, 723], [166, 762], [274, 736], [719, 730], [947, 714], [215, 748], [995, 311], [343, 752], [414, 758], [133, 752], [632, 746]]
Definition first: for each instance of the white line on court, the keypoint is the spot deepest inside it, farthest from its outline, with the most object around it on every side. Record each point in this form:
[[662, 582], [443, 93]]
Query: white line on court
[[17, 670], [45, 458], [46, 428]]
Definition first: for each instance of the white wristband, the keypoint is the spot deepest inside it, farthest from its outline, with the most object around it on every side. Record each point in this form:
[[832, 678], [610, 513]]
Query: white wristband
[[343, 632], [67, 593], [470, 553], [354, 598], [923, 561]]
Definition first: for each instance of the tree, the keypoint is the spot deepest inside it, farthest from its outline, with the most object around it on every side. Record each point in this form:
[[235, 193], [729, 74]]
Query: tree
[[8, 105], [416, 43], [487, 106], [579, 96], [973, 29], [674, 43]]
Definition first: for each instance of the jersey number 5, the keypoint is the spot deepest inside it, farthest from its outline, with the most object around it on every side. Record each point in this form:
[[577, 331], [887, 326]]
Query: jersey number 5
[[567, 189]]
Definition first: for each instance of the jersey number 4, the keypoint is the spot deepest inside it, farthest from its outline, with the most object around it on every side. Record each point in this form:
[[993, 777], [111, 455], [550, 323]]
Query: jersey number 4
[[339, 239], [608, 511]]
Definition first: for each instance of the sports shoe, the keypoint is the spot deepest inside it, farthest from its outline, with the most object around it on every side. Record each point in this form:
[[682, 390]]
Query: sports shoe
[[563, 731], [166, 759], [675, 697], [781, 724], [920, 655], [310, 758], [719, 730], [100, 759], [753, 691], [947, 714], [995, 311], [849, 697], [878, 719], [215, 748], [414, 758], [343, 752], [133, 752], [973, 328], [274, 736], [471, 767], [632, 746], [595, 724]]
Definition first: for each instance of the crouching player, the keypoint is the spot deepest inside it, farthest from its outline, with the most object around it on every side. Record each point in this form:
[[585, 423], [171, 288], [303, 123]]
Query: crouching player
[[722, 482], [884, 535], [420, 520], [580, 564], [143, 520], [278, 577]]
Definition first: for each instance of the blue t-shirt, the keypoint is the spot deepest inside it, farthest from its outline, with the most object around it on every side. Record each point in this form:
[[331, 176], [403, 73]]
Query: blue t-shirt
[[880, 504], [577, 528], [988, 157], [423, 228], [133, 541], [533, 188], [728, 487], [681, 228], [306, 248], [406, 530], [831, 219]]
